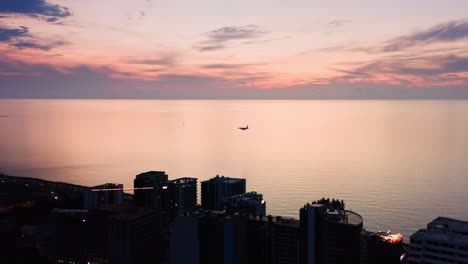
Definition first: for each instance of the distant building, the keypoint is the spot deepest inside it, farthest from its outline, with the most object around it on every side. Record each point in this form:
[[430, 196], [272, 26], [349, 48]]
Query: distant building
[[182, 195], [329, 235], [155, 198], [444, 241], [383, 248], [216, 190], [105, 194], [247, 203]]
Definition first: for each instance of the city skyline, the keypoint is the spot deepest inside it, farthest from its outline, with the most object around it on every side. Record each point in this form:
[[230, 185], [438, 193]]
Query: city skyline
[[241, 50]]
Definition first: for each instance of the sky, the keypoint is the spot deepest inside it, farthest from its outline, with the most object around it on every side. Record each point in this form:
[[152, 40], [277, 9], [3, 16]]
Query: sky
[[243, 49]]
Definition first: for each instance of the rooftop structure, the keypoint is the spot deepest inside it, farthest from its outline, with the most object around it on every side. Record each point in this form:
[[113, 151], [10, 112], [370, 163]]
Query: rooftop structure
[[215, 191], [330, 234], [104, 194], [343, 217], [250, 203], [454, 225], [182, 196], [390, 238], [218, 237], [153, 198], [444, 241], [383, 248]]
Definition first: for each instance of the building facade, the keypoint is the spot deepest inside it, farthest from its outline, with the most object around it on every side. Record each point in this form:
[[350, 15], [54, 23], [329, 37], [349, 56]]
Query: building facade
[[445, 240], [151, 189], [182, 196], [383, 248], [215, 191], [102, 195], [329, 235], [248, 203]]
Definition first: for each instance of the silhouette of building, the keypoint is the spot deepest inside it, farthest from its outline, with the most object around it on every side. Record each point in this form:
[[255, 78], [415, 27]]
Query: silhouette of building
[[106, 234], [383, 248], [329, 235], [216, 190], [247, 203], [130, 234], [272, 240], [208, 237], [444, 241], [65, 237], [217, 237], [105, 194], [185, 238], [156, 198], [182, 195]]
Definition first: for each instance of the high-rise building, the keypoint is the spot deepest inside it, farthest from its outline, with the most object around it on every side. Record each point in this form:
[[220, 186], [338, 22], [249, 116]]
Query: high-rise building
[[185, 239], [444, 241], [258, 249], [383, 248], [247, 203], [217, 237], [124, 234], [155, 198], [135, 235], [101, 195], [182, 195], [284, 237], [329, 235], [216, 190], [208, 237]]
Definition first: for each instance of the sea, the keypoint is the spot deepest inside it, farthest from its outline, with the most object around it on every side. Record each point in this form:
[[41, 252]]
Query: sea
[[399, 164]]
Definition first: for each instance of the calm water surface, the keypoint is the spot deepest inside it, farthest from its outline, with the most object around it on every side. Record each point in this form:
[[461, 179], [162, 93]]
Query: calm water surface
[[397, 163]]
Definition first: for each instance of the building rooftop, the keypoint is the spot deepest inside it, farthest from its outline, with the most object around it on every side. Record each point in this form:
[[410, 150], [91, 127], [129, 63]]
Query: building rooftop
[[151, 178], [344, 217], [279, 220], [108, 186], [151, 174], [225, 179], [335, 213], [184, 180], [454, 225], [388, 237], [440, 235], [249, 196], [353, 218]]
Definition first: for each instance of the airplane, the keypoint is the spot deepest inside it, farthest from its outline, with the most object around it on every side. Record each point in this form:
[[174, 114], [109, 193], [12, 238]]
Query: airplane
[[243, 128]]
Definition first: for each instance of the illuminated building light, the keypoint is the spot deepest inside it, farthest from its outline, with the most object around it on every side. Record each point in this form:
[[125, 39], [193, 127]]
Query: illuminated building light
[[392, 238]]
